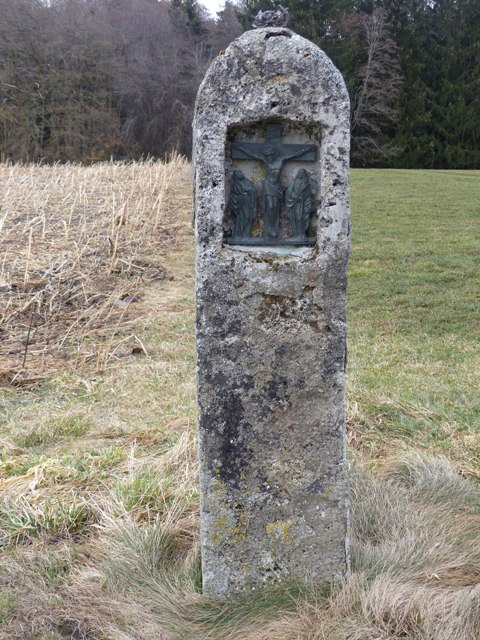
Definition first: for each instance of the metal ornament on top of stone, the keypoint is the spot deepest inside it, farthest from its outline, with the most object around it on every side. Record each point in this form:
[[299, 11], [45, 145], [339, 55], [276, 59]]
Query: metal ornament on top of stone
[[270, 18], [273, 153]]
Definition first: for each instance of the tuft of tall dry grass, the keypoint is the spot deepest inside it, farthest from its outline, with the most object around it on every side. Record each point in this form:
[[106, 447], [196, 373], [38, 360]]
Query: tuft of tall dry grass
[[76, 246]]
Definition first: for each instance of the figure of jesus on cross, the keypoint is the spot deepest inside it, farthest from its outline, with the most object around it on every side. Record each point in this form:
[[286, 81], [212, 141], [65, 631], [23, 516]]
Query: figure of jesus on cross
[[274, 154]]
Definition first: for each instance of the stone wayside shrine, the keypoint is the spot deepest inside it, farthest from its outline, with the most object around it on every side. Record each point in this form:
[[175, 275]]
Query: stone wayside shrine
[[271, 156]]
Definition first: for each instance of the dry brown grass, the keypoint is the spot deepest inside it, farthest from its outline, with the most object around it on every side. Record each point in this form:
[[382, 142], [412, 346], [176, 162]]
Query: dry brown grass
[[415, 569], [78, 244]]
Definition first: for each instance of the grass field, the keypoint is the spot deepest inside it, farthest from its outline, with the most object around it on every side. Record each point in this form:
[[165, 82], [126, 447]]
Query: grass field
[[414, 313], [98, 479]]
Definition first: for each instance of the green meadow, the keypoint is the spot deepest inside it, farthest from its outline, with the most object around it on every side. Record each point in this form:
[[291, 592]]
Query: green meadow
[[99, 515], [414, 312]]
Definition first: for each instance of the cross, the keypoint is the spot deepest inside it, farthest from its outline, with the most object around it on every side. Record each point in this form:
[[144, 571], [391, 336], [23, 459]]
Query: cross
[[273, 153], [247, 150]]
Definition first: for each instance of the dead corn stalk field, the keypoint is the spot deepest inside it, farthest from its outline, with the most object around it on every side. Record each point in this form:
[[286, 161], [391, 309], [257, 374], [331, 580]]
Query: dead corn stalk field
[[99, 505], [77, 245]]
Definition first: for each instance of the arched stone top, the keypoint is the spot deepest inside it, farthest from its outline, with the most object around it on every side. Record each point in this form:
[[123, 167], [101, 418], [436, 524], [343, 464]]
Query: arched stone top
[[273, 72]]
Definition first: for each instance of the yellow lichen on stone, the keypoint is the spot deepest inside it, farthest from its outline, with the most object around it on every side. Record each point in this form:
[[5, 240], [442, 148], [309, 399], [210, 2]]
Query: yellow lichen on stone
[[328, 491], [230, 527], [278, 79], [218, 487], [228, 534], [281, 530]]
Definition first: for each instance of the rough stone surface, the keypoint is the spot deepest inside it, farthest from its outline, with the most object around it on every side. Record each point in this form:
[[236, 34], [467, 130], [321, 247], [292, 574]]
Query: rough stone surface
[[271, 334]]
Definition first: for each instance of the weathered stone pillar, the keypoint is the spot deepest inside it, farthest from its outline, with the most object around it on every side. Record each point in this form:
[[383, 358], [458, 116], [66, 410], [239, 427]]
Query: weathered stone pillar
[[271, 155]]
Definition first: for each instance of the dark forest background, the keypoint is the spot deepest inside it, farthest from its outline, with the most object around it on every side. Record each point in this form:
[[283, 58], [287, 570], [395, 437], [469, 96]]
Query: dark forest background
[[87, 80]]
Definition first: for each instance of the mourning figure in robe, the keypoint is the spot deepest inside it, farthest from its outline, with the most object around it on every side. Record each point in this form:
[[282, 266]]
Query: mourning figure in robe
[[300, 204], [242, 204]]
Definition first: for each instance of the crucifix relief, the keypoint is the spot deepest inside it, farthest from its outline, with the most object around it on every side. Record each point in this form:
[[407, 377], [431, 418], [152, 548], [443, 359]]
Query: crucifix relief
[[242, 203]]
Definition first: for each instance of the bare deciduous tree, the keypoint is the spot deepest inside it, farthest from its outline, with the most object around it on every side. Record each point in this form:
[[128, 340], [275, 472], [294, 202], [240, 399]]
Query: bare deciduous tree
[[378, 80]]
